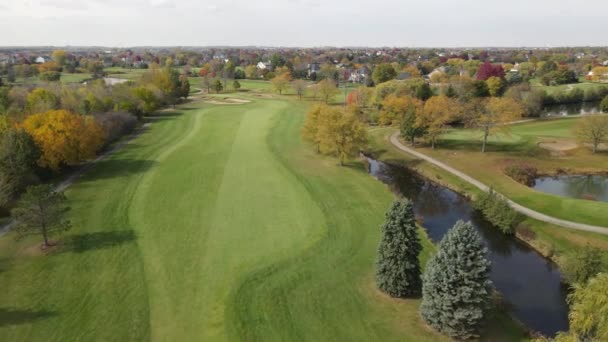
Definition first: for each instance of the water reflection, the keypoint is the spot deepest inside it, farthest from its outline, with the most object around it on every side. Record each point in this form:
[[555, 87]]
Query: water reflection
[[581, 108], [590, 187], [530, 283]]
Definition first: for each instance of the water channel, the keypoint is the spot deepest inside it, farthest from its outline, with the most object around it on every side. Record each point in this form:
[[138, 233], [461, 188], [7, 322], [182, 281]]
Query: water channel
[[530, 283]]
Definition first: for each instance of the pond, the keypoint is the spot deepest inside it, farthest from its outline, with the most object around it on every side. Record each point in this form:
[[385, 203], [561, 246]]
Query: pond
[[530, 283], [589, 187], [580, 108]]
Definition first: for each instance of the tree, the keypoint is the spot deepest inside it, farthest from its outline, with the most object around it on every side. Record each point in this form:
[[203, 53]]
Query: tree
[[50, 76], [487, 70], [424, 91], [340, 133], [456, 290], [437, 112], [148, 102], [310, 128], [42, 100], [398, 266], [218, 86], [394, 109], [281, 82], [409, 127], [59, 57], [184, 88], [589, 310], [583, 265], [18, 156], [5, 99], [383, 72], [592, 129], [236, 85], [492, 115], [251, 72], [299, 86], [41, 211], [64, 137], [495, 86], [327, 89]]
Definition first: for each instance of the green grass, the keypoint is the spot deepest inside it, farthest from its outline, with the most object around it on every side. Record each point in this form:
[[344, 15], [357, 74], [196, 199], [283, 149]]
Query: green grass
[[216, 224], [583, 85]]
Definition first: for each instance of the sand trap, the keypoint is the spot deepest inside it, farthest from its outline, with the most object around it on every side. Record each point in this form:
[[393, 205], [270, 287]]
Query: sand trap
[[227, 101], [558, 145]]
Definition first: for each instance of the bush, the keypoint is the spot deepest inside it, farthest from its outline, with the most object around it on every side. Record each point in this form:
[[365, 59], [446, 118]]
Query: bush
[[115, 125], [522, 173], [496, 210], [583, 265], [604, 105], [50, 76]]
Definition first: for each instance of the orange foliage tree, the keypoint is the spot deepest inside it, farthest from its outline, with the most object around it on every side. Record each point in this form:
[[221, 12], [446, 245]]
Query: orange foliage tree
[[394, 108], [64, 138]]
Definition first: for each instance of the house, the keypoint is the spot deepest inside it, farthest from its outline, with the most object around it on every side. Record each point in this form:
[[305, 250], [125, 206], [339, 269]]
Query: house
[[40, 60], [313, 68], [264, 65], [360, 75]]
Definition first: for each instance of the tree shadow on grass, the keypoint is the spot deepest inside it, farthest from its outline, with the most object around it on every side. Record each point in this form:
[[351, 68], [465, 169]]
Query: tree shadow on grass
[[10, 317], [82, 243], [116, 168]]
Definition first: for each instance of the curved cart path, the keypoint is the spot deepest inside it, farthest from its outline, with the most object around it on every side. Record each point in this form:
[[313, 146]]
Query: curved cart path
[[394, 139]]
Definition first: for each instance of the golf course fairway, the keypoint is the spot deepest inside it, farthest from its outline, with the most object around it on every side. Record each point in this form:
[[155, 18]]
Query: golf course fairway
[[216, 224]]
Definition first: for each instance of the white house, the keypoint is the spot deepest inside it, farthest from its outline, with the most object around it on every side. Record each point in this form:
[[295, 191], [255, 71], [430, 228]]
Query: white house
[[40, 60], [264, 65]]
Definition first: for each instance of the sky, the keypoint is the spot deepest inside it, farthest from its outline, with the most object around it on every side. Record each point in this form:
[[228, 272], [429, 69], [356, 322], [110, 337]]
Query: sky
[[304, 23]]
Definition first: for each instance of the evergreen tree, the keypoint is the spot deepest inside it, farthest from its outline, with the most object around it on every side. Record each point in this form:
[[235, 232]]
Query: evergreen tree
[[456, 290], [398, 267]]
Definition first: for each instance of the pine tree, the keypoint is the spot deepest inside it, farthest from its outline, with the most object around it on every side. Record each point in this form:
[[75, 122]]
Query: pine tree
[[398, 267], [456, 290]]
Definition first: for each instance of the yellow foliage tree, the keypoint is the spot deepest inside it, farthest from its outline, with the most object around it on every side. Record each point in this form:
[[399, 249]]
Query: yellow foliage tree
[[63, 137], [437, 112], [494, 115], [394, 108], [599, 74], [334, 131], [327, 89], [280, 83]]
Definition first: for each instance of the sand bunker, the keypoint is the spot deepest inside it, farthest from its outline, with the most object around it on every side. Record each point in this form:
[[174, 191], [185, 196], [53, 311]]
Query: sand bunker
[[226, 101], [558, 145]]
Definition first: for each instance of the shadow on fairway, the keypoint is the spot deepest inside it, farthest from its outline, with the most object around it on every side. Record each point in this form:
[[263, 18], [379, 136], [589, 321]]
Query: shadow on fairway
[[82, 243], [10, 317], [116, 168]]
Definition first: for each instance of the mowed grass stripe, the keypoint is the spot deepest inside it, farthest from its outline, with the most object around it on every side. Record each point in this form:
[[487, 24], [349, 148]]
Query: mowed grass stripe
[[215, 208]]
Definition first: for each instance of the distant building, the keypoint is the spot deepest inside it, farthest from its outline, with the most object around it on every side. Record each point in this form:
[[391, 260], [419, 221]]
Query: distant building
[[313, 68], [40, 60], [264, 65], [360, 75]]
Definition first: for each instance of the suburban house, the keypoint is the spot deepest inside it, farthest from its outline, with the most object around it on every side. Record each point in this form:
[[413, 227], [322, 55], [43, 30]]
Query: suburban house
[[359, 75], [313, 68], [264, 65], [40, 60]]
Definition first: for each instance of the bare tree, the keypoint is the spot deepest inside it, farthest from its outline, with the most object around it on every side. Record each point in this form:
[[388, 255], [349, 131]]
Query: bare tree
[[592, 129]]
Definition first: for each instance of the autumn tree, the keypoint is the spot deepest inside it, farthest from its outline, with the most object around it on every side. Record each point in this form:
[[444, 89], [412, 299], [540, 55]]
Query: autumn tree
[[398, 266], [495, 86], [394, 108], [236, 85], [583, 265], [327, 90], [59, 57], [41, 100], [437, 112], [280, 83], [487, 70], [184, 87], [299, 87], [493, 115], [383, 72], [41, 210], [456, 290], [147, 101], [64, 138], [338, 132], [593, 130], [410, 129], [310, 128]]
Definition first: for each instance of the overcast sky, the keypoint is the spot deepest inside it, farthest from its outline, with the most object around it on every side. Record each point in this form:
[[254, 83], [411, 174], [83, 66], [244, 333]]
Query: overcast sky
[[401, 23]]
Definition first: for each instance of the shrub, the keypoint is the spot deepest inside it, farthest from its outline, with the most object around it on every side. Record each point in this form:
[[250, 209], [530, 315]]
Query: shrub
[[522, 173], [604, 105], [584, 264], [496, 210], [456, 290]]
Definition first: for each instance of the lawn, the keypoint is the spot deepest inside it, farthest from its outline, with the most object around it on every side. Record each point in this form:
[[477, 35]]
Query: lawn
[[215, 224], [583, 85]]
